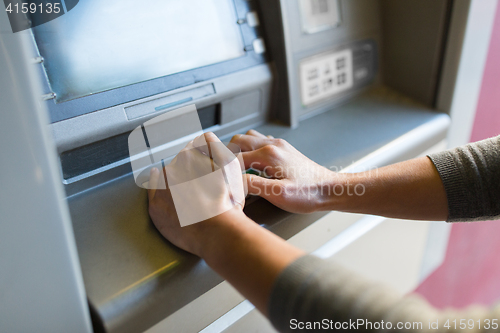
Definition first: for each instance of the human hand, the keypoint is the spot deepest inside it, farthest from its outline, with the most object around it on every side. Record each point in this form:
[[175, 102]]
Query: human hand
[[246, 255], [297, 184], [210, 201]]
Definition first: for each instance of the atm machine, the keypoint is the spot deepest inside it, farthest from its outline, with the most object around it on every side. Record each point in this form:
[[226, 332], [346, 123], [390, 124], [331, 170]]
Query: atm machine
[[338, 79]]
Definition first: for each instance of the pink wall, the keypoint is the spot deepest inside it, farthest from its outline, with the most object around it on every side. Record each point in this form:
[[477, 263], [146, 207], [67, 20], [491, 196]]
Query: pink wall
[[471, 271], [487, 122]]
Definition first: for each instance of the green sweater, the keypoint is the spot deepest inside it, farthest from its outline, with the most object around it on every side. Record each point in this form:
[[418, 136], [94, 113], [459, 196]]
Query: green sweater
[[316, 294]]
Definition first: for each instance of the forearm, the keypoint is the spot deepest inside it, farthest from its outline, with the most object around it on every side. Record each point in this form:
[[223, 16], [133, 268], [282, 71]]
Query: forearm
[[408, 190], [247, 256]]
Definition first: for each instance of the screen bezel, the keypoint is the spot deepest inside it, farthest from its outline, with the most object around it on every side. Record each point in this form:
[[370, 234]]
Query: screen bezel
[[102, 100]]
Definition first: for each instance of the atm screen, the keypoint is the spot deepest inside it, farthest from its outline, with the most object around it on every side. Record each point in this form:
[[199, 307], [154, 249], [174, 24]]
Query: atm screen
[[103, 45]]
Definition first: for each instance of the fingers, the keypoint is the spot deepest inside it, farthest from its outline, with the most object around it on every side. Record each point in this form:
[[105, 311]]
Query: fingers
[[211, 137], [208, 142], [154, 177], [251, 142], [254, 159], [200, 142], [263, 187], [231, 167], [253, 132], [220, 154], [258, 134], [256, 148]]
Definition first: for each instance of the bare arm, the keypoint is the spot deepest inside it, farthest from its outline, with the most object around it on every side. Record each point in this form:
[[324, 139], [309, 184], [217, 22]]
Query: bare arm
[[407, 190], [248, 256], [411, 189]]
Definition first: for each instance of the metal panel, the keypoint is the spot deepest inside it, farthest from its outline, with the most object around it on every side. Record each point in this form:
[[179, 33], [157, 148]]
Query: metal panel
[[289, 45], [241, 106], [78, 131], [414, 36], [40, 280], [168, 102]]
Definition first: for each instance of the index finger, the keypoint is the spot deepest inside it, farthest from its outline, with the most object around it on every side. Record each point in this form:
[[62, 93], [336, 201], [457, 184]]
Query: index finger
[[250, 142]]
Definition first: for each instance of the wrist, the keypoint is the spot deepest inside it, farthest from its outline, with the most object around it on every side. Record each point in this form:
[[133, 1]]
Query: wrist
[[340, 192], [218, 230]]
